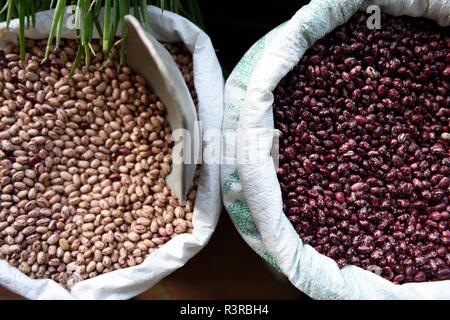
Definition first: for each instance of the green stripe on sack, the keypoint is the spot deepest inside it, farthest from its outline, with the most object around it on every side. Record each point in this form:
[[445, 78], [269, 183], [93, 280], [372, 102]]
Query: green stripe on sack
[[235, 94], [234, 178], [270, 260], [243, 219], [245, 67], [233, 107]]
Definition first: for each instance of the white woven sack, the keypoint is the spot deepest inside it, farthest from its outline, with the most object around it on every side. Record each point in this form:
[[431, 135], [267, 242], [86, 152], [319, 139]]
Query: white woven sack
[[129, 282], [313, 273]]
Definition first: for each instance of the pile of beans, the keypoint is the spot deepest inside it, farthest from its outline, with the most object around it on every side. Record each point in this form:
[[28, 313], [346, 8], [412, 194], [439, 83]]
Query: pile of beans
[[365, 147], [82, 165]]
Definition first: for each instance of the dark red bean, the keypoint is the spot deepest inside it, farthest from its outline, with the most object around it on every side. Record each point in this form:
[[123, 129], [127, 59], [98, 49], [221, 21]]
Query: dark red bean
[[443, 274], [114, 177], [34, 161], [123, 151], [84, 126], [446, 71], [57, 63]]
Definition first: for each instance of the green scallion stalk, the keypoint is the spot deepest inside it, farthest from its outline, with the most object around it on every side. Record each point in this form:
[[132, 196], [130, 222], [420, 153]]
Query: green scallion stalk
[[88, 16]]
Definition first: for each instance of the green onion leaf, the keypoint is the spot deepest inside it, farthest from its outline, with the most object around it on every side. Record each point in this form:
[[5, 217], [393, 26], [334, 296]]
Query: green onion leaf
[[22, 41], [145, 14], [59, 14], [77, 60], [136, 11], [32, 12], [9, 13], [106, 26]]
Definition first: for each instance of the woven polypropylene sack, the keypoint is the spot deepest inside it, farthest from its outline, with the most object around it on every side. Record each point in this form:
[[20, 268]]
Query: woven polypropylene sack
[[129, 282], [251, 191]]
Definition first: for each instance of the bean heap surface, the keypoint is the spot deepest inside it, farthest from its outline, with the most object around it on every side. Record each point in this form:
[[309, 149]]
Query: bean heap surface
[[365, 147], [82, 165]]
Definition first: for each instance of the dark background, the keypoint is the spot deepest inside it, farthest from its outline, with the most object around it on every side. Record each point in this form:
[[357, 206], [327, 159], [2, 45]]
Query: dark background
[[234, 26]]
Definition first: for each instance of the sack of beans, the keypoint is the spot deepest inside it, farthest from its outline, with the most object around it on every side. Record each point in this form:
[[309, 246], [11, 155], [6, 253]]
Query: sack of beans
[[356, 203], [85, 212]]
